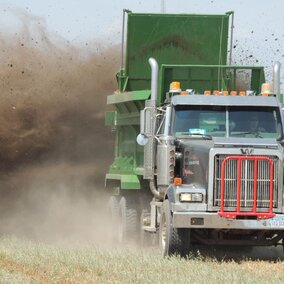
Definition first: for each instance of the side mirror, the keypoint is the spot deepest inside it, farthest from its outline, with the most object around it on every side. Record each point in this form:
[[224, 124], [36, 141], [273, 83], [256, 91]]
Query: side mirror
[[145, 126], [147, 123], [280, 133], [142, 121], [147, 117], [142, 140]]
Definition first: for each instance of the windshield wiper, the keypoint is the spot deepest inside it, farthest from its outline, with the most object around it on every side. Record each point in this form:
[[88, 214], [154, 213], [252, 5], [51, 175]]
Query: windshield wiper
[[256, 134]]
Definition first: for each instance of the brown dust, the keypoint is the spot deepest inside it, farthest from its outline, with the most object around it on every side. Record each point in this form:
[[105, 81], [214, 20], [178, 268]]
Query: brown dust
[[54, 147]]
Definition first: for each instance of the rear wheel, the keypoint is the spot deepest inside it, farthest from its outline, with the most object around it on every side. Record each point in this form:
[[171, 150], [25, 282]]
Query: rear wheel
[[113, 215], [127, 221], [113, 208], [172, 240]]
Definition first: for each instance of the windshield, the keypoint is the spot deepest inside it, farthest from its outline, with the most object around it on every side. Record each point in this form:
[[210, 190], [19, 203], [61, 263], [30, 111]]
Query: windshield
[[227, 121]]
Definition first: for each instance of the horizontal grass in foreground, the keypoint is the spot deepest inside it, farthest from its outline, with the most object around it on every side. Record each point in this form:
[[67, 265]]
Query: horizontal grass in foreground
[[23, 261]]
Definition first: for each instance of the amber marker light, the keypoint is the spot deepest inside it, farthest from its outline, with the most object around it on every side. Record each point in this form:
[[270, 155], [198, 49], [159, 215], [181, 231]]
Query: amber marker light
[[233, 93], [207, 92], [266, 89], [177, 181], [225, 93], [175, 86], [216, 92], [242, 93]]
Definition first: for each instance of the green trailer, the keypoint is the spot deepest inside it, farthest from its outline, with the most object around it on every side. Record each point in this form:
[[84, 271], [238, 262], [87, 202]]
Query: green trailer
[[184, 161], [172, 40]]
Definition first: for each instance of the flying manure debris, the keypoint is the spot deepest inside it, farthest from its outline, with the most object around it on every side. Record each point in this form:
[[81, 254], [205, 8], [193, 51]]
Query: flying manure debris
[[52, 98]]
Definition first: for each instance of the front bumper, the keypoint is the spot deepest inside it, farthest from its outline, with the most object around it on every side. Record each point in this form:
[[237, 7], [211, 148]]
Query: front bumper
[[207, 220]]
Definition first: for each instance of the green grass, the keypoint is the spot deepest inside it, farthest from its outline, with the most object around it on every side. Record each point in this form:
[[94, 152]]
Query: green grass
[[23, 261]]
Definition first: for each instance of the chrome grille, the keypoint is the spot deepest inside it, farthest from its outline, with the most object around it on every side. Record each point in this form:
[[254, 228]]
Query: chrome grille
[[246, 183]]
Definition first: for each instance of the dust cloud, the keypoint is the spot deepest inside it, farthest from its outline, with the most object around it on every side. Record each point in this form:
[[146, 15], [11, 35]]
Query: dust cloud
[[54, 147]]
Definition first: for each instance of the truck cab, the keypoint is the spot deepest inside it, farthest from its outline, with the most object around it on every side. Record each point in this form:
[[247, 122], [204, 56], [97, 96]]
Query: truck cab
[[219, 168]]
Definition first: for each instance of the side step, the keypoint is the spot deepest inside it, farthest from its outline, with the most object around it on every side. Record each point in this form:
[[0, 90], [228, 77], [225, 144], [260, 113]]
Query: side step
[[150, 223]]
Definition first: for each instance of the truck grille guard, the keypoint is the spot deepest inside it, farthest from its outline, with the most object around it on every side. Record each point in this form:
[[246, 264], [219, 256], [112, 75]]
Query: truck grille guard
[[246, 186]]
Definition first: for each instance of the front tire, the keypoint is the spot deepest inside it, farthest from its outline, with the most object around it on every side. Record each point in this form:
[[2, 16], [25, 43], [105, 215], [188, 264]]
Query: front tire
[[171, 240]]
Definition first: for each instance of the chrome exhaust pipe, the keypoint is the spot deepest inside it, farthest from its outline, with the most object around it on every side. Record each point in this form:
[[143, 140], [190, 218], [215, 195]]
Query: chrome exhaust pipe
[[276, 79], [154, 78], [154, 190]]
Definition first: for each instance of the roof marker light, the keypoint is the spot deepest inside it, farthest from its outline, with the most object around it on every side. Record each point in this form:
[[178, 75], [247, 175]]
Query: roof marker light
[[175, 87], [207, 92], [266, 89]]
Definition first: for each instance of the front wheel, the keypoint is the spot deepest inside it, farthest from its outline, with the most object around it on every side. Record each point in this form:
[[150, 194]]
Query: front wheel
[[172, 240]]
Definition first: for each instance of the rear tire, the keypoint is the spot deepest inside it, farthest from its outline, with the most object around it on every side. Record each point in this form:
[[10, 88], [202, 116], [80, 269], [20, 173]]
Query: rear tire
[[113, 215], [127, 221], [113, 209], [172, 240]]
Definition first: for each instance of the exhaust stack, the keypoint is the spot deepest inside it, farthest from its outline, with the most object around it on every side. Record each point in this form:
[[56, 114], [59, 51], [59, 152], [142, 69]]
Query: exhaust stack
[[154, 79], [276, 79]]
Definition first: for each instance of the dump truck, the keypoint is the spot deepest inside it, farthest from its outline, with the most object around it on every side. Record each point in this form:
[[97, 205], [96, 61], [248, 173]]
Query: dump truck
[[198, 141]]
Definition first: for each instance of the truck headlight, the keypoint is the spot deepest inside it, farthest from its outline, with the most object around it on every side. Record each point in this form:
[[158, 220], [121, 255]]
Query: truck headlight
[[191, 197]]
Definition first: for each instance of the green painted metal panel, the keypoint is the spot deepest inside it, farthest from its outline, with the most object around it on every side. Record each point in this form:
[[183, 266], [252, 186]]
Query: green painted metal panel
[[172, 39], [129, 119], [110, 176], [127, 182], [128, 96], [130, 182], [110, 118], [210, 77]]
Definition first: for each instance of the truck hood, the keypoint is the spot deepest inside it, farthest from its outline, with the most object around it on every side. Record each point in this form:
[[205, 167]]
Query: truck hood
[[249, 142]]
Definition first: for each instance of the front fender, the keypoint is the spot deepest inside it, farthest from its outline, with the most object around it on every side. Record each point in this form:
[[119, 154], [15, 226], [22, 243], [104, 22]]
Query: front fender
[[171, 193]]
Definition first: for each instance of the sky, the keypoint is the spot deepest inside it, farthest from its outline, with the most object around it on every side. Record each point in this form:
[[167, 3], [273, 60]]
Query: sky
[[258, 23]]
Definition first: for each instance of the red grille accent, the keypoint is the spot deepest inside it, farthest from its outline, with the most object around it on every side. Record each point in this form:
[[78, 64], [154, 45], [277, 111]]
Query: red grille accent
[[238, 212]]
